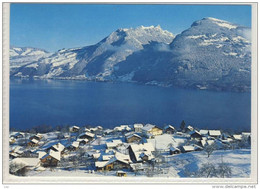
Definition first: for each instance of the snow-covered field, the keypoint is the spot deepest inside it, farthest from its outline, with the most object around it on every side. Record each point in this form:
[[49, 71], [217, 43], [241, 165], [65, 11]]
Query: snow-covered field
[[176, 165]]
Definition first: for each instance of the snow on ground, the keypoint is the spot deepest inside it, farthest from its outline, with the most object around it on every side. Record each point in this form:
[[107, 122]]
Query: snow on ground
[[239, 161]]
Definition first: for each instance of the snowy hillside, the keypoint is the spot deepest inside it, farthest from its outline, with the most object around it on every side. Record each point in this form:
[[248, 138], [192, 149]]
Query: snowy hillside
[[20, 56], [211, 54], [96, 61]]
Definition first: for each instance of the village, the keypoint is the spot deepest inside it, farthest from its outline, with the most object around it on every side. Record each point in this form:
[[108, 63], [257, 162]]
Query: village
[[131, 150]]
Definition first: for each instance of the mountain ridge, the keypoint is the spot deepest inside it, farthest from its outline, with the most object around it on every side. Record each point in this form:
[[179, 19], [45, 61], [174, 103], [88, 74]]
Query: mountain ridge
[[211, 54]]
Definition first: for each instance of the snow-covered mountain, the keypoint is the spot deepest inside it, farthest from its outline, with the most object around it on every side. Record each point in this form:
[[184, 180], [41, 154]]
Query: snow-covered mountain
[[211, 54], [96, 61], [20, 56]]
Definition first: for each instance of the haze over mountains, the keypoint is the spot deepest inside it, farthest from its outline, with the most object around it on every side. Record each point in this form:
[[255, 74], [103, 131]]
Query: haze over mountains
[[211, 54]]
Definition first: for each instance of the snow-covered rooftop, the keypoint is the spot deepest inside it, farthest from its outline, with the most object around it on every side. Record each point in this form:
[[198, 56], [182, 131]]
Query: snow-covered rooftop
[[214, 132]]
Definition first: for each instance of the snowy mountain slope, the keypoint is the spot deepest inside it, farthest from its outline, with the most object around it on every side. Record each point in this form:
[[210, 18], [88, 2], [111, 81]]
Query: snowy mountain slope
[[96, 60], [211, 54], [20, 56]]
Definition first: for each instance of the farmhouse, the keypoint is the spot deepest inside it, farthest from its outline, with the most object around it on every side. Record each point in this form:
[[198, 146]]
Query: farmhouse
[[74, 129], [74, 146], [56, 147], [195, 135], [133, 138], [119, 161], [189, 129], [141, 152], [215, 133], [87, 135], [51, 159], [34, 142], [151, 130], [138, 127], [169, 129], [38, 137]]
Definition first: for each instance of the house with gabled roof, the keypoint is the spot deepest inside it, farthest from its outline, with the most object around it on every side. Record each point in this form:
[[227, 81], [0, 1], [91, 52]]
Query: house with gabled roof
[[138, 127], [119, 161], [195, 135], [141, 152], [169, 129], [74, 129], [56, 147], [174, 150], [215, 133], [51, 159], [133, 138], [87, 135], [33, 142], [151, 130]]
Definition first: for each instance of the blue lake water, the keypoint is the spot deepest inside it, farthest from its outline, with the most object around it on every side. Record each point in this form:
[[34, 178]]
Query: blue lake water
[[57, 102]]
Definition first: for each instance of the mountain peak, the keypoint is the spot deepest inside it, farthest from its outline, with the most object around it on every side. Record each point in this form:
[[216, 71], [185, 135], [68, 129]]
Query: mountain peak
[[215, 22]]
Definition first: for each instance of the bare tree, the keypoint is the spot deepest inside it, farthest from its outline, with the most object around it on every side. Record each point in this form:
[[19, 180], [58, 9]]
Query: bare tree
[[210, 148], [207, 170], [224, 170]]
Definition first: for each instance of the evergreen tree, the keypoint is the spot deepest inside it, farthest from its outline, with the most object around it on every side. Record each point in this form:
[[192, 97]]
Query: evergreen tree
[[182, 126]]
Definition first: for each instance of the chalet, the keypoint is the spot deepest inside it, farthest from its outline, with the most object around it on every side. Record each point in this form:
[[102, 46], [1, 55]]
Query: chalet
[[215, 133], [74, 146], [133, 138], [74, 129], [33, 142], [51, 159], [169, 129], [119, 161], [21, 165], [138, 127], [195, 135], [174, 150], [151, 130], [141, 152], [87, 135], [38, 137], [56, 147], [100, 165], [189, 129], [121, 174]]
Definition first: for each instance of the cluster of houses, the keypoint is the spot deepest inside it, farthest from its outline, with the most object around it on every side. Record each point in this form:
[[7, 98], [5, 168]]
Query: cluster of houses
[[123, 148]]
